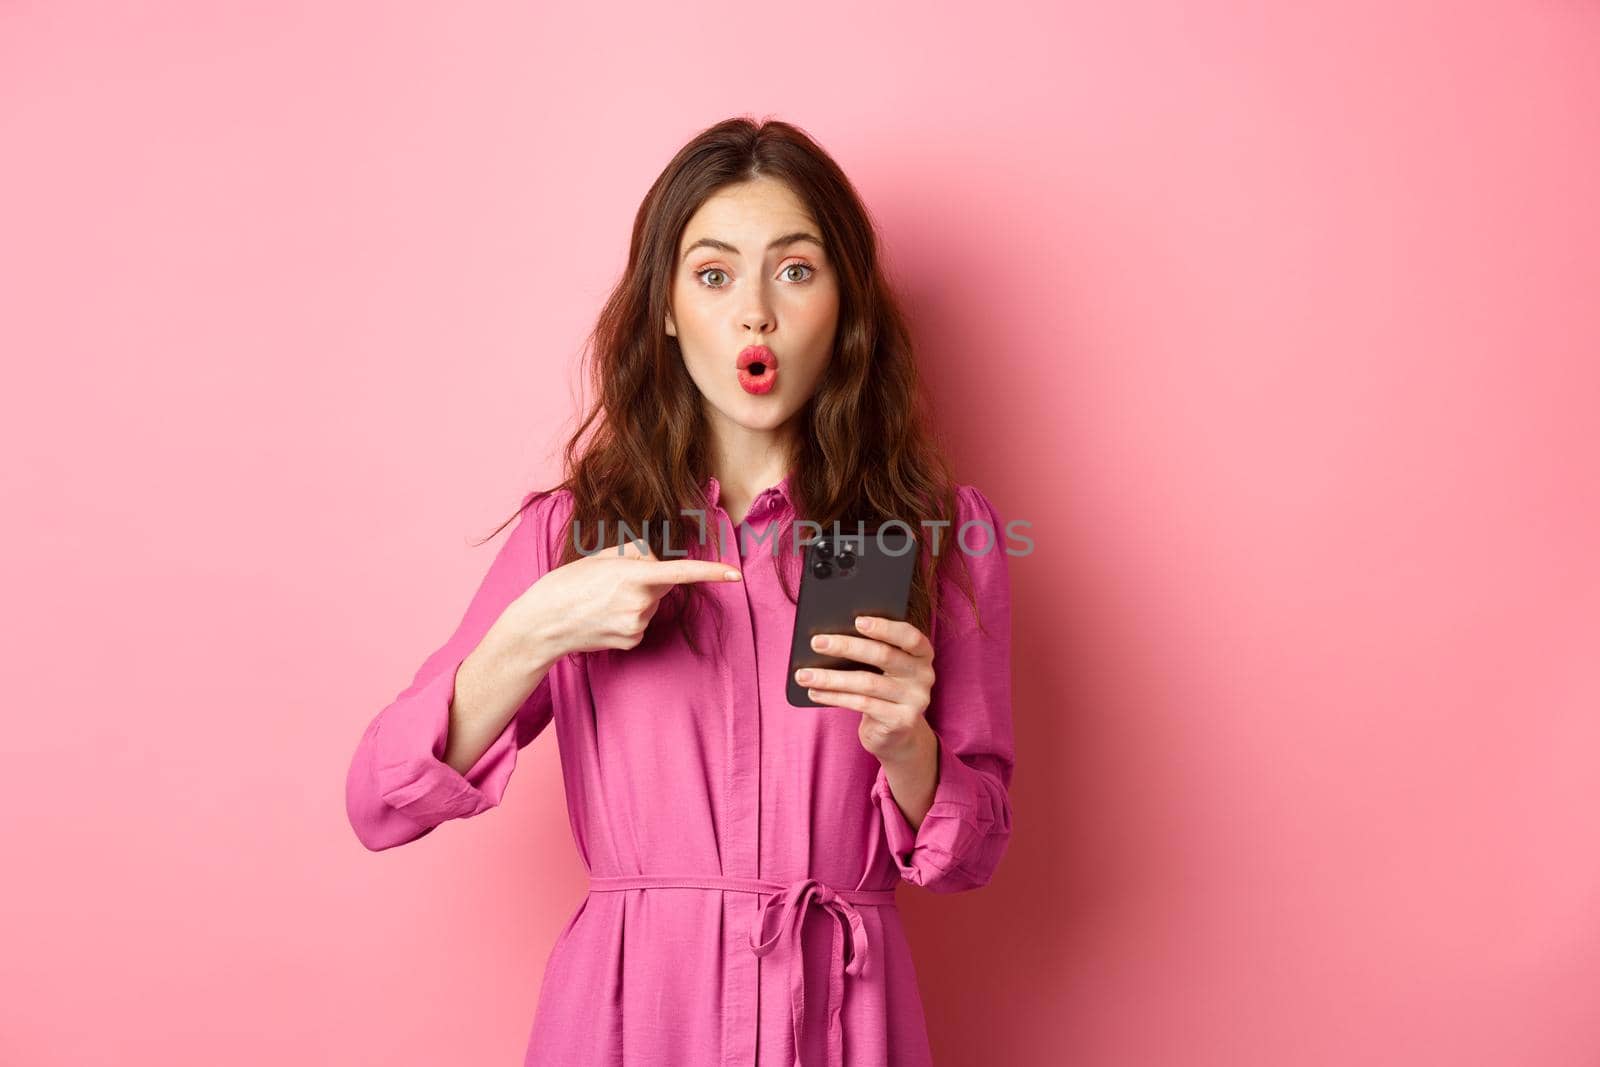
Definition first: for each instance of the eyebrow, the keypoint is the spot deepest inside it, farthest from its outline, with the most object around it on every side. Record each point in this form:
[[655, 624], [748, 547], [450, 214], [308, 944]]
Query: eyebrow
[[786, 239]]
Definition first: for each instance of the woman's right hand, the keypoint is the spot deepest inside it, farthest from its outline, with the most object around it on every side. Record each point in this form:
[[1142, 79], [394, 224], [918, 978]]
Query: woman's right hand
[[601, 601]]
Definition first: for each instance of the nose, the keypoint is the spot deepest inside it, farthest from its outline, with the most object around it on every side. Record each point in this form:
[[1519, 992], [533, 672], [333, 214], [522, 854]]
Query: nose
[[756, 314]]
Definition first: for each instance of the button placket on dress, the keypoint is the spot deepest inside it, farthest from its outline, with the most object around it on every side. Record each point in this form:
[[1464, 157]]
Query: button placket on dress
[[741, 851]]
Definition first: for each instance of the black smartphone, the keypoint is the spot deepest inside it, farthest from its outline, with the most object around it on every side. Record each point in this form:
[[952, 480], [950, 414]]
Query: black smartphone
[[848, 574]]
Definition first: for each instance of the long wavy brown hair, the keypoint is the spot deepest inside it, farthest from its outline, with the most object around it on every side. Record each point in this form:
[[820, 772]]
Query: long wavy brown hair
[[867, 452]]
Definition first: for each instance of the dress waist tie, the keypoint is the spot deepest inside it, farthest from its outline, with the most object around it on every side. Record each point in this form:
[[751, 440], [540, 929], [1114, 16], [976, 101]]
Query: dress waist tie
[[791, 902]]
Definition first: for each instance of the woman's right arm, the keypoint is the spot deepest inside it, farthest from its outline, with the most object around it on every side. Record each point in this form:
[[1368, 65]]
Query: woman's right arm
[[445, 747]]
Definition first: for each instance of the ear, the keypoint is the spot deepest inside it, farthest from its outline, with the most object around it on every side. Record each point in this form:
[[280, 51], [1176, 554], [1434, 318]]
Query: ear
[[672, 330]]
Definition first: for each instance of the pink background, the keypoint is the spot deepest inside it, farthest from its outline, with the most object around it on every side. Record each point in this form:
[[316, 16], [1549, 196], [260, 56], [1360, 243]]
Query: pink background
[[1277, 321]]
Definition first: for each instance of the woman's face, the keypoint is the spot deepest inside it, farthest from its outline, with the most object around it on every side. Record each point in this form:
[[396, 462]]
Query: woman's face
[[744, 278]]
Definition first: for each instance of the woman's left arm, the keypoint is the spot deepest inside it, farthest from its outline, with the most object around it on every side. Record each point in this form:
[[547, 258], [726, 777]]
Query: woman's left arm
[[939, 718]]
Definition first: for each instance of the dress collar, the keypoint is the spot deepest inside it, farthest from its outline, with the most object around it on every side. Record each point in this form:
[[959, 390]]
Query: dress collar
[[713, 491]]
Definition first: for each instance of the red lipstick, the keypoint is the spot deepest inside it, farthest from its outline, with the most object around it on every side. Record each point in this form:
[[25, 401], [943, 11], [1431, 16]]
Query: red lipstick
[[758, 369]]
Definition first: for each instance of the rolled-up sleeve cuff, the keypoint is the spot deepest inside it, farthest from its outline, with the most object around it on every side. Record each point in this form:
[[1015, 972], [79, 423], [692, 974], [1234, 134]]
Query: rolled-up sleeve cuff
[[951, 843], [409, 745]]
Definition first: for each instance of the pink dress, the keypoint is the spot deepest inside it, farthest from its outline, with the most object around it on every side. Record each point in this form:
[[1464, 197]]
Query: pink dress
[[743, 853]]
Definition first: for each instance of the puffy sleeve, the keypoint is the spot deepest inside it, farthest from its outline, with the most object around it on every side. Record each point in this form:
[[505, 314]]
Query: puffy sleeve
[[398, 788], [962, 838]]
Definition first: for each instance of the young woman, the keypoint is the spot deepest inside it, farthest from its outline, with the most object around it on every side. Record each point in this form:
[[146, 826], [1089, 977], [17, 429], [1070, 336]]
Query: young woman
[[751, 369]]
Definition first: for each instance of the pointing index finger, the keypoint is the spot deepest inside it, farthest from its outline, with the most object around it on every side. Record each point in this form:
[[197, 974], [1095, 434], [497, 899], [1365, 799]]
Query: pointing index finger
[[681, 571]]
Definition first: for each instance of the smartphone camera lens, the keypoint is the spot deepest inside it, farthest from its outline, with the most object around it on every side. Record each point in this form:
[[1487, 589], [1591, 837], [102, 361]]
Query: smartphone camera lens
[[824, 550], [822, 568], [846, 559]]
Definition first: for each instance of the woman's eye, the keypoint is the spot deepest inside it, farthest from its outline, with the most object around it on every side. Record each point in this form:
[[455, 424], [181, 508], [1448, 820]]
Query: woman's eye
[[701, 274], [800, 266]]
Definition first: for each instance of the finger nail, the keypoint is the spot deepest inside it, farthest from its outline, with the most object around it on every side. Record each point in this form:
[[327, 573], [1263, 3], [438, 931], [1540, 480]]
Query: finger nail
[[802, 676], [819, 642], [863, 622], [732, 576]]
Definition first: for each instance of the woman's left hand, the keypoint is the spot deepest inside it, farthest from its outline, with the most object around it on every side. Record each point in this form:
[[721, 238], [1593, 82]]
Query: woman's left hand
[[892, 703]]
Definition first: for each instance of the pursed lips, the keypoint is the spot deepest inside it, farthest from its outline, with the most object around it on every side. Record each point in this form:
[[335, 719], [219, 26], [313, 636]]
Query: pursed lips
[[757, 354]]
